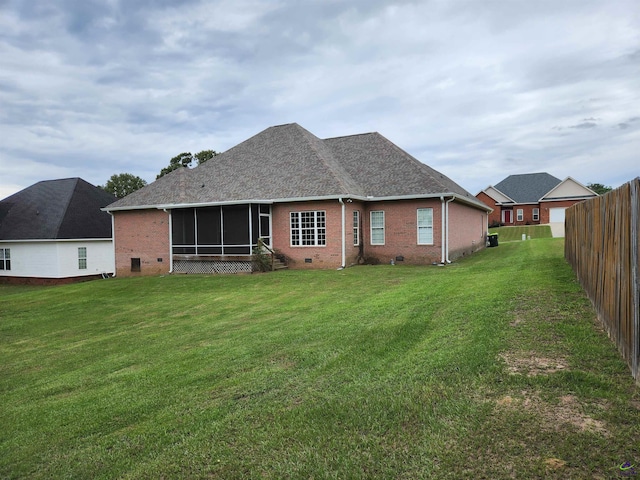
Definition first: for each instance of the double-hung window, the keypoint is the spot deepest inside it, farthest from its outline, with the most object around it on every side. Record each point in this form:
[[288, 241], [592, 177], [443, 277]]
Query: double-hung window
[[377, 227], [5, 259], [519, 215], [308, 228], [82, 258], [425, 226], [356, 228], [536, 215]]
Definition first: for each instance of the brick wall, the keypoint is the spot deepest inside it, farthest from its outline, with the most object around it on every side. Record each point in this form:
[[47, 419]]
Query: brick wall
[[401, 232], [494, 217], [327, 256], [467, 230], [142, 234]]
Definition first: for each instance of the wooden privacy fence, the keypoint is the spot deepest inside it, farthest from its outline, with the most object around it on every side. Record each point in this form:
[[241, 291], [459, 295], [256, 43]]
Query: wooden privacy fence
[[601, 244]]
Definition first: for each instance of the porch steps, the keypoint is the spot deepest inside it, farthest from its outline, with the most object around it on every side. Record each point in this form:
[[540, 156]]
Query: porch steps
[[278, 264]]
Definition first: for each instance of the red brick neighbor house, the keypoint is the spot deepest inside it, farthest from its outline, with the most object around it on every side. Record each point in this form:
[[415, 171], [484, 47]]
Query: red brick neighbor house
[[317, 203], [532, 199]]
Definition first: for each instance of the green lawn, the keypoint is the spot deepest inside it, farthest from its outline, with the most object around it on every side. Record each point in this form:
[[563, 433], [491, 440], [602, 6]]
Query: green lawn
[[492, 367], [510, 234]]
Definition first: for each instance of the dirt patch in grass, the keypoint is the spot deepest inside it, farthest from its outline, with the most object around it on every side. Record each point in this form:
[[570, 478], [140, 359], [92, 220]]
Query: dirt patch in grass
[[532, 364], [569, 410]]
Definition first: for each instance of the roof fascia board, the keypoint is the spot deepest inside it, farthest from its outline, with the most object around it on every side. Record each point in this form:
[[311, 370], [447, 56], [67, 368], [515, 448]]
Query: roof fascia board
[[501, 193], [361, 198], [57, 240], [559, 199]]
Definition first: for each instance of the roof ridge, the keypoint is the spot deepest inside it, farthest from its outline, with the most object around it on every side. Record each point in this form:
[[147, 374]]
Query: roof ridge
[[423, 166], [331, 162], [66, 203]]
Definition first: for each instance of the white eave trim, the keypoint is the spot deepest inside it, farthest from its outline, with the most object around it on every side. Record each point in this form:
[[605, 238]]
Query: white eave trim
[[474, 202], [57, 240]]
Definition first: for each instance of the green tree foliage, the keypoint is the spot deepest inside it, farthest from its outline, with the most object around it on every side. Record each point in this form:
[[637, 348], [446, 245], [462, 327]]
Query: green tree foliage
[[599, 188], [123, 184], [204, 155], [187, 159]]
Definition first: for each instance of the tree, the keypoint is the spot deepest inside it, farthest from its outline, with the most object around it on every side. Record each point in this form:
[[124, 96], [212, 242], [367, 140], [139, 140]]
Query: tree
[[204, 155], [123, 184], [186, 159], [599, 188]]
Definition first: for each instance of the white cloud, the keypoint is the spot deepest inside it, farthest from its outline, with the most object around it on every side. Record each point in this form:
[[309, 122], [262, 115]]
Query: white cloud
[[478, 90]]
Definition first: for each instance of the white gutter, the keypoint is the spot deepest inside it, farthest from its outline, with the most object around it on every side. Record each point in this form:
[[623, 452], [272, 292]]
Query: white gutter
[[469, 200], [170, 241], [344, 252]]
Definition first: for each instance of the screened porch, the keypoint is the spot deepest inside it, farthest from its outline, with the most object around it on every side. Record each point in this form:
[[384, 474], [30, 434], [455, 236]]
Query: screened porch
[[218, 239]]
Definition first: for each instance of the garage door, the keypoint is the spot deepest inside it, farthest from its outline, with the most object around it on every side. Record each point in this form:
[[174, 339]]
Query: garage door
[[556, 215]]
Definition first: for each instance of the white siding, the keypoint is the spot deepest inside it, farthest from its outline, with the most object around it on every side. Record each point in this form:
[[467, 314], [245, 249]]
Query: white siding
[[58, 259], [569, 188]]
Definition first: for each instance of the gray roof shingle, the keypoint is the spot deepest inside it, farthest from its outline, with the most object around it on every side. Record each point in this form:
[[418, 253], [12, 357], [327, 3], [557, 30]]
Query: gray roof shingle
[[289, 162], [528, 187], [54, 210]]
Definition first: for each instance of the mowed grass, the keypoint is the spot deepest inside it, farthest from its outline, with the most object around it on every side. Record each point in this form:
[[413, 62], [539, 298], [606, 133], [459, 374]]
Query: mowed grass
[[511, 234], [492, 367]]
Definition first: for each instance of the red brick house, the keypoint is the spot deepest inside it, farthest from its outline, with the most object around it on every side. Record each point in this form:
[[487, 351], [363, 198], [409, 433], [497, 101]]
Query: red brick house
[[532, 199], [318, 203]]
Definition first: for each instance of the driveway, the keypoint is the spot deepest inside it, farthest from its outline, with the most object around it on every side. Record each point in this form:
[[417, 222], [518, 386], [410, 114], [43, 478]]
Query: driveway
[[557, 229]]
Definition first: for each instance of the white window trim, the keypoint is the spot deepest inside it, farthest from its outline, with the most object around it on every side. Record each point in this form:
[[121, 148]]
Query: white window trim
[[81, 257], [356, 228], [535, 215], [520, 215], [5, 255], [371, 227], [316, 229], [418, 226]]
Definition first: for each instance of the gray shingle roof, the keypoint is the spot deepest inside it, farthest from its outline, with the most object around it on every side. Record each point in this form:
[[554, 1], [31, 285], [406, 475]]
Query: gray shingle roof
[[54, 210], [528, 187], [288, 162]]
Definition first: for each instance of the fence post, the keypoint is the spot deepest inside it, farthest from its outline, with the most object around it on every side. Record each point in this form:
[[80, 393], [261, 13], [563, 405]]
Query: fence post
[[635, 283]]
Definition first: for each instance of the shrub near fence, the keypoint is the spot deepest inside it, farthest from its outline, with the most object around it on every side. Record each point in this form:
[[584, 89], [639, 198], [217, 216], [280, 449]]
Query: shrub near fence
[[601, 244]]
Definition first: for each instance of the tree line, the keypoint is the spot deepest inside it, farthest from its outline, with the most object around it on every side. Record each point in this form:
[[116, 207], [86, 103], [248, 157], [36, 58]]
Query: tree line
[[122, 184]]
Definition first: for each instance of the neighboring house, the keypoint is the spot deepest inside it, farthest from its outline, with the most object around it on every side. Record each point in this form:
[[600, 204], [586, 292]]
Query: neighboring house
[[319, 203], [532, 199], [55, 231]]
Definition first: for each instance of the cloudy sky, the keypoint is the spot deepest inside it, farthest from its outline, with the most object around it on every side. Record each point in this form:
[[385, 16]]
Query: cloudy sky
[[477, 89]]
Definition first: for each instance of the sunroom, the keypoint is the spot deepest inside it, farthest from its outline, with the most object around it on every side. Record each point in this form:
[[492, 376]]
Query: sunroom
[[218, 238]]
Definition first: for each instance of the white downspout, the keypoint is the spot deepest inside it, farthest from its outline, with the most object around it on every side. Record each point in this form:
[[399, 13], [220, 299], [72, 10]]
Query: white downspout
[[442, 231], [113, 241], [344, 251], [170, 240], [447, 227]]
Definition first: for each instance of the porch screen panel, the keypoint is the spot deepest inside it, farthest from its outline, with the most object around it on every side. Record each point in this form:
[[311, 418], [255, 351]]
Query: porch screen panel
[[255, 222], [264, 228], [235, 219], [183, 231], [209, 231]]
